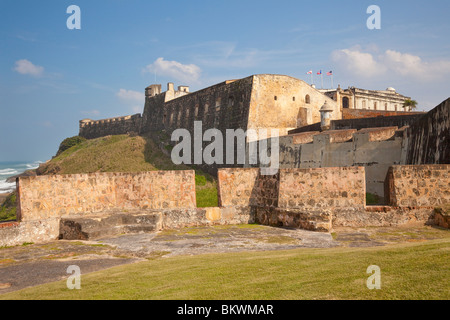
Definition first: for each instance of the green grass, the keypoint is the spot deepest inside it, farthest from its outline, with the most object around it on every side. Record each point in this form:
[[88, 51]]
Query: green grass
[[8, 208], [372, 199], [408, 271]]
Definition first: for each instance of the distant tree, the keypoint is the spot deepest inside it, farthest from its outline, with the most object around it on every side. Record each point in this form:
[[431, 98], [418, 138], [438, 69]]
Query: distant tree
[[411, 104]]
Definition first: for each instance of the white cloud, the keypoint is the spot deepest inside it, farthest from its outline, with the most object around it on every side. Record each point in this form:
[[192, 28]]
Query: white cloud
[[26, 67], [357, 62], [189, 73], [390, 63], [130, 95]]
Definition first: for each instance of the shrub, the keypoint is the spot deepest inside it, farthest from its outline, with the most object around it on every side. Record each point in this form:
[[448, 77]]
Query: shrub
[[69, 143]]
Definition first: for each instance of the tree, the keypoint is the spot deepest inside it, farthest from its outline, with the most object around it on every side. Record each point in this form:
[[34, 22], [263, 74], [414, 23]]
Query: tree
[[412, 104]]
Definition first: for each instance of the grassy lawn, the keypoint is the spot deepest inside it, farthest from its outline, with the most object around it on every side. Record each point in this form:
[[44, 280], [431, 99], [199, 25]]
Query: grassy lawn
[[408, 271]]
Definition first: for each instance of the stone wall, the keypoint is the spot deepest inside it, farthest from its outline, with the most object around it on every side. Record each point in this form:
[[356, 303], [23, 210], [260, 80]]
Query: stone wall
[[322, 188], [91, 129], [428, 138], [299, 198], [46, 197], [375, 149], [418, 185], [361, 113]]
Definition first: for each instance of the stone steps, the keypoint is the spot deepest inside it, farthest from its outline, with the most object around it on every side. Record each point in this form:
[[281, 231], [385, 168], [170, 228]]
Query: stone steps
[[100, 226]]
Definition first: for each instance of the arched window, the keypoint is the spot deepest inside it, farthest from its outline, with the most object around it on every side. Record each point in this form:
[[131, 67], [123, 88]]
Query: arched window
[[375, 105], [345, 103], [307, 99], [196, 111], [364, 104], [385, 106], [205, 111]]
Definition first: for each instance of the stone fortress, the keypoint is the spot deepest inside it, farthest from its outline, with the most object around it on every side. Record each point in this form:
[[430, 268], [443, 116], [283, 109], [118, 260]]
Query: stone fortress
[[334, 147]]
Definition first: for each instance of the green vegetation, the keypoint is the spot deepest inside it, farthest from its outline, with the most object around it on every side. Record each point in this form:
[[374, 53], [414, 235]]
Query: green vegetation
[[372, 199], [69, 143], [408, 271], [409, 103], [124, 153], [8, 208]]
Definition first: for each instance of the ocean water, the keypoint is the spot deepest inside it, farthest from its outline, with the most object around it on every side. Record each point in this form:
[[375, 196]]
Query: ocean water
[[9, 169]]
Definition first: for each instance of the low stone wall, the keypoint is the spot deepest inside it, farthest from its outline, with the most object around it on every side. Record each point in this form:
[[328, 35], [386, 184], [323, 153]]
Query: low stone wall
[[418, 185], [46, 197], [322, 188], [17, 233]]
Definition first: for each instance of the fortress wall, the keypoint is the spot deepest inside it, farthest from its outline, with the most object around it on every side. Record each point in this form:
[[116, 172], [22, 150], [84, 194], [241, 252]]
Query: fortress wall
[[45, 197], [281, 102], [91, 129], [222, 106], [428, 137], [418, 185]]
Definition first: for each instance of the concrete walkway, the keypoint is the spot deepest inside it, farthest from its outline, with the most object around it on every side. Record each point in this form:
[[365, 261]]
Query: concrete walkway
[[34, 264]]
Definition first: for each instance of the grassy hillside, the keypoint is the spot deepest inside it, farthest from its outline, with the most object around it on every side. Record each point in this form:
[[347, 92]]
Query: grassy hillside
[[125, 153]]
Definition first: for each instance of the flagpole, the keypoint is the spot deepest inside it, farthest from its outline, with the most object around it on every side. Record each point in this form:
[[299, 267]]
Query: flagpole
[[321, 77], [332, 86]]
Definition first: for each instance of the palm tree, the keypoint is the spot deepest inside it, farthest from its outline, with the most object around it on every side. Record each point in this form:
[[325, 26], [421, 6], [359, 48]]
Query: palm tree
[[412, 104]]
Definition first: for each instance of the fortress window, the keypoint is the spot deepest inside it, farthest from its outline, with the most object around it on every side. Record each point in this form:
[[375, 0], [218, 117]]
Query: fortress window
[[375, 106], [307, 99], [293, 98], [385, 106], [206, 110], [218, 102], [396, 109], [231, 101], [364, 104], [171, 119], [345, 103], [275, 98], [196, 111]]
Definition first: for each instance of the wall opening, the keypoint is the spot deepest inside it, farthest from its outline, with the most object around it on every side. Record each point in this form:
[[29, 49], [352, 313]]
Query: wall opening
[[345, 103], [307, 99]]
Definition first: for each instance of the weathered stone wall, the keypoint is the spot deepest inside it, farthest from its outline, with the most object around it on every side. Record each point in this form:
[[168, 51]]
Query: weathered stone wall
[[360, 113], [91, 129], [322, 188], [300, 198], [418, 185], [428, 138], [36, 231], [46, 197]]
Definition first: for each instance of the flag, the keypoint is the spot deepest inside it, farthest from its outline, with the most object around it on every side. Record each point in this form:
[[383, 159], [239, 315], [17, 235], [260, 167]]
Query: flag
[[309, 72], [330, 73], [320, 72]]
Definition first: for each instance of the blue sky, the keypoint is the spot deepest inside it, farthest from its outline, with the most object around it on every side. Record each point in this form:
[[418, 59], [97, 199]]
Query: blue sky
[[51, 77]]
